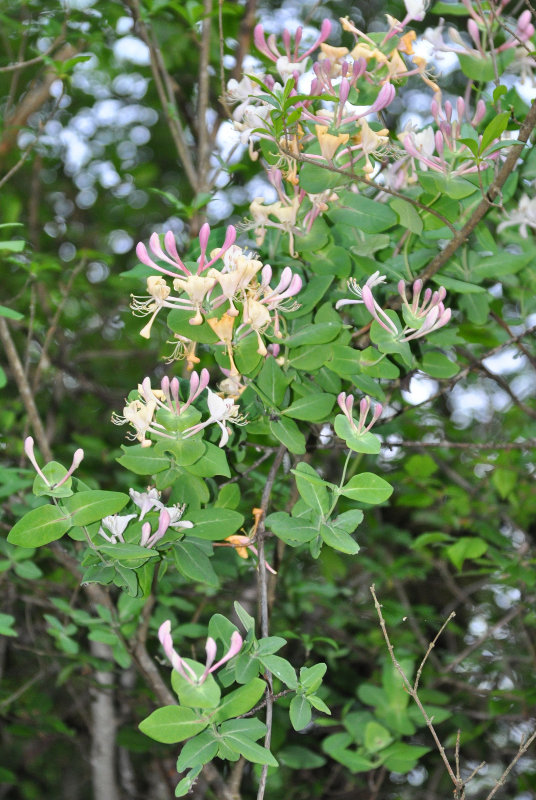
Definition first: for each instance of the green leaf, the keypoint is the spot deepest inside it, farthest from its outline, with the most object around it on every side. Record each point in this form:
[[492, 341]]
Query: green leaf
[[92, 506], [290, 530], [288, 433], [13, 247], [454, 285], [299, 712], [40, 526], [319, 333], [240, 701], [132, 555], [6, 625], [348, 521], [505, 481], [407, 215], [199, 750], [402, 757], [54, 473], [376, 737], [172, 724], [314, 492], [184, 785], [228, 496], [192, 562], [466, 547], [281, 668], [245, 746], [363, 213], [207, 695], [311, 677], [311, 407], [185, 451], [494, 129], [272, 382], [338, 539], [438, 365], [10, 313], [364, 442], [315, 180], [213, 462], [483, 69], [142, 460], [308, 358], [367, 488], [336, 746], [214, 524]]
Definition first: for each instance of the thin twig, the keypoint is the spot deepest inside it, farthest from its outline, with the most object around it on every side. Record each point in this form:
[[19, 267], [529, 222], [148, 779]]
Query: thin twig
[[522, 749], [263, 601], [430, 648], [415, 697], [25, 390], [485, 636]]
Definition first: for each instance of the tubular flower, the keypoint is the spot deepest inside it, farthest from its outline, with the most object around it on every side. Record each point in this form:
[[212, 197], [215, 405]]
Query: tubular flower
[[424, 317], [140, 412], [290, 62], [116, 526], [346, 404], [221, 410], [77, 460], [420, 320], [192, 284], [184, 669]]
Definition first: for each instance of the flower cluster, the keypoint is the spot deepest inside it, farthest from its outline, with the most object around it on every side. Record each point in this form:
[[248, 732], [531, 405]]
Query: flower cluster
[[146, 501], [141, 412], [445, 141], [183, 668], [346, 404], [241, 281], [168, 518], [421, 317]]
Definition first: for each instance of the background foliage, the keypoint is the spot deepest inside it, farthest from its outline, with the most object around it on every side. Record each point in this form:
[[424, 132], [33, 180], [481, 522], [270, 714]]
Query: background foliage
[[102, 144]]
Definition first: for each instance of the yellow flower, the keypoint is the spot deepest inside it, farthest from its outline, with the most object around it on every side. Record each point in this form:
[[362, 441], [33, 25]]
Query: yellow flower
[[329, 143]]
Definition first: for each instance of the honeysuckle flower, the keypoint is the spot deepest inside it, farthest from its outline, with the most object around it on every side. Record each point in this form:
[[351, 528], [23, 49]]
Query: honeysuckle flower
[[78, 457], [329, 143], [146, 501], [524, 216], [175, 517], [180, 665], [116, 525], [158, 297], [241, 545], [346, 403], [169, 391], [172, 257], [223, 328], [422, 318], [290, 61], [140, 416], [148, 540], [426, 315], [221, 410], [416, 10], [364, 295]]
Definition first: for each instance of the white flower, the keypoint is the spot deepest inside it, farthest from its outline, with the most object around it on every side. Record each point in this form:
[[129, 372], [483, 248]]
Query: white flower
[[116, 525], [416, 9], [221, 410], [146, 500]]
